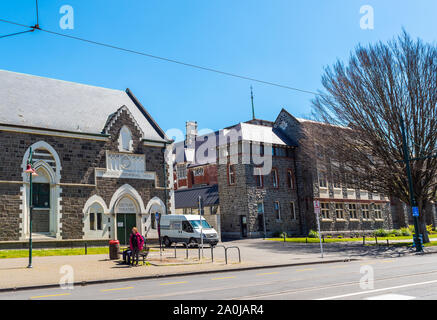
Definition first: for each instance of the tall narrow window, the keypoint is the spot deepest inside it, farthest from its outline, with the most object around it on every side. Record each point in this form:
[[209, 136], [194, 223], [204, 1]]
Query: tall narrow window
[[378, 211], [231, 174], [339, 210], [125, 140], [277, 210], [324, 210], [92, 221], [366, 212], [258, 178], [290, 179], [292, 211], [323, 181], [353, 211], [275, 181]]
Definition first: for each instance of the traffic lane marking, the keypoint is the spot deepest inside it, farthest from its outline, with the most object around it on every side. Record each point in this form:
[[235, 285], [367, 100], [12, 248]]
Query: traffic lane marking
[[51, 295], [171, 283], [222, 278], [266, 273], [379, 290], [302, 270], [115, 289]]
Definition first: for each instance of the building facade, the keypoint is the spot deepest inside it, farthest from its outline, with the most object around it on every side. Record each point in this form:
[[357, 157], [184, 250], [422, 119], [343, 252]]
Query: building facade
[[277, 194], [100, 160]]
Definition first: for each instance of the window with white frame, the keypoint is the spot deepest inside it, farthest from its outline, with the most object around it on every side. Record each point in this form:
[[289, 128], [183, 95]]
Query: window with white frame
[[339, 210], [378, 211], [275, 181], [181, 172], [277, 210], [365, 211], [198, 172], [125, 143], [292, 211], [95, 217], [324, 210], [353, 211], [323, 181]]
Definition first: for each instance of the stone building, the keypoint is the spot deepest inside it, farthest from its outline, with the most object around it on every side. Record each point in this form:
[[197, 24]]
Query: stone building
[[344, 207], [267, 183], [99, 156]]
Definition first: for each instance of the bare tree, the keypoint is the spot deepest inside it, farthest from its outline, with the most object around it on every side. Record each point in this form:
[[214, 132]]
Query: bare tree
[[362, 109]]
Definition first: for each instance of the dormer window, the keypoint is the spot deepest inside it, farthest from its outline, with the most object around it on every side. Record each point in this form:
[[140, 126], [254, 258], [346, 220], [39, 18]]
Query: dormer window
[[125, 143]]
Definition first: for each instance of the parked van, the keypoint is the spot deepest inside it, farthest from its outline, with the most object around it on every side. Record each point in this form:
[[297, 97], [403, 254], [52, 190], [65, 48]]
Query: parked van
[[186, 228]]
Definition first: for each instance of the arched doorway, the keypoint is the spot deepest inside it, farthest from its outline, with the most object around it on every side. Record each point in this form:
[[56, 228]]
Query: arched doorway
[[154, 207], [46, 193], [126, 216]]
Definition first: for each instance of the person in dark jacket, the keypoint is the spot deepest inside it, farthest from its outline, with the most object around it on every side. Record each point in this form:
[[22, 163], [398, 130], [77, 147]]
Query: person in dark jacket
[[136, 242]]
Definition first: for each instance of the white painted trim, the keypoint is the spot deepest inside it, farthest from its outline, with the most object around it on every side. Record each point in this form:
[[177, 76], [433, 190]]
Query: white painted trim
[[129, 191], [55, 190]]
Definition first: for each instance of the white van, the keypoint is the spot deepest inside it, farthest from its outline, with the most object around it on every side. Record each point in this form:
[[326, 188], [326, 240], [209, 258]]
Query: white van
[[186, 228]]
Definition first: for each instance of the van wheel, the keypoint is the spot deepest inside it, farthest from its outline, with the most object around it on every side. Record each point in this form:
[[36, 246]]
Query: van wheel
[[167, 242], [192, 242]]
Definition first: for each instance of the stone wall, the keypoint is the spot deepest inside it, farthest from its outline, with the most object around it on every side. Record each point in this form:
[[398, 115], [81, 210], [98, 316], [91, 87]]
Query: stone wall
[[79, 159]]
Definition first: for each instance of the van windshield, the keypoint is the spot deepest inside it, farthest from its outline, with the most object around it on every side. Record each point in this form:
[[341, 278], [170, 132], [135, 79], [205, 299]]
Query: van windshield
[[196, 224]]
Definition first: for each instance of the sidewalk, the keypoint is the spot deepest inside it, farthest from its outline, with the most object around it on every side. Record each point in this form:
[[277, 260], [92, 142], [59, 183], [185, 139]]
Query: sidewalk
[[255, 253]]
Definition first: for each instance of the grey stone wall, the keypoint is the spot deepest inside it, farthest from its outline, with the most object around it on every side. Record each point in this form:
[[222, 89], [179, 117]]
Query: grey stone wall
[[79, 158]]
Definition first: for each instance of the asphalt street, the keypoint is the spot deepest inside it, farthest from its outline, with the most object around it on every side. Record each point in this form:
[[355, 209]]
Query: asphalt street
[[412, 277]]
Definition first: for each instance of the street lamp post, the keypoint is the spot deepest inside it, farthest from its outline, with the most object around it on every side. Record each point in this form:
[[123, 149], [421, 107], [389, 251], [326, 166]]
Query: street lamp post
[[410, 186], [32, 173]]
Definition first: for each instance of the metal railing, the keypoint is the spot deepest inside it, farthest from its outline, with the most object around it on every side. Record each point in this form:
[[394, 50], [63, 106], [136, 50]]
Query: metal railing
[[199, 247]]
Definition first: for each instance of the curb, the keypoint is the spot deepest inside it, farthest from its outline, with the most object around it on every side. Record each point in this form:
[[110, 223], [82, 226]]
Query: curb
[[172, 275]]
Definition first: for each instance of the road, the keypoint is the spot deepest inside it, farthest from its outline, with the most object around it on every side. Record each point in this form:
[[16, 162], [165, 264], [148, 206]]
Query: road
[[412, 277]]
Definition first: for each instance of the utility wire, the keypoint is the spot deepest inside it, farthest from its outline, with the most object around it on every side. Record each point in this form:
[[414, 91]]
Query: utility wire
[[14, 34], [164, 59]]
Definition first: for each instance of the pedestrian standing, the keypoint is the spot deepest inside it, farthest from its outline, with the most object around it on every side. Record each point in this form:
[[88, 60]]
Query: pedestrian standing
[[136, 245]]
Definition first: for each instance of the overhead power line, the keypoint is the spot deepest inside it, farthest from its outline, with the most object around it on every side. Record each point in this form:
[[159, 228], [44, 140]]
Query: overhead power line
[[14, 34], [37, 27]]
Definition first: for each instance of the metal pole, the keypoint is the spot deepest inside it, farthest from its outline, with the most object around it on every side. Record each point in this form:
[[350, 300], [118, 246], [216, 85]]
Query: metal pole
[[30, 222], [320, 237], [30, 210], [200, 220], [410, 185]]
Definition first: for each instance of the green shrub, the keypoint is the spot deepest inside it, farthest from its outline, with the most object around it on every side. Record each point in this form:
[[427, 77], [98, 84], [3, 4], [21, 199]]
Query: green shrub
[[411, 228], [395, 233], [406, 232], [313, 234], [340, 237], [381, 233], [282, 234]]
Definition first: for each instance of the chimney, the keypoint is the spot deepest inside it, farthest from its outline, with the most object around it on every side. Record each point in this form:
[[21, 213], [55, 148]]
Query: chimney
[[191, 134]]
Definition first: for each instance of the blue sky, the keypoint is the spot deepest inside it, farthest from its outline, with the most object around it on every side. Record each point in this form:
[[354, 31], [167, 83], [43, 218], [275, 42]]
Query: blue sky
[[282, 41]]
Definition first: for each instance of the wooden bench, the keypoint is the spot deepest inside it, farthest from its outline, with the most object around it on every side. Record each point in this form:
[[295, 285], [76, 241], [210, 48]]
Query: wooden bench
[[144, 253]]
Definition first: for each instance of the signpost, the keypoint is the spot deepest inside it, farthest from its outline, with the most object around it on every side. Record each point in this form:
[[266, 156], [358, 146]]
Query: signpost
[[317, 212], [158, 220], [200, 218], [415, 211]]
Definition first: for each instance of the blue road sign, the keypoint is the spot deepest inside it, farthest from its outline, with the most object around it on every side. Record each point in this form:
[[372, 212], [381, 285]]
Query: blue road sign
[[415, 211]]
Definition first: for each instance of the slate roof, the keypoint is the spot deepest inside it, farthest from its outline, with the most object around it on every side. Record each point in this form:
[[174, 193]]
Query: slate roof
[[188, 198], [33, 101]]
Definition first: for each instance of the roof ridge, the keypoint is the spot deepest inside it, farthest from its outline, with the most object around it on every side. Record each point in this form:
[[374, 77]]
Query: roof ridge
[[60, 80]]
